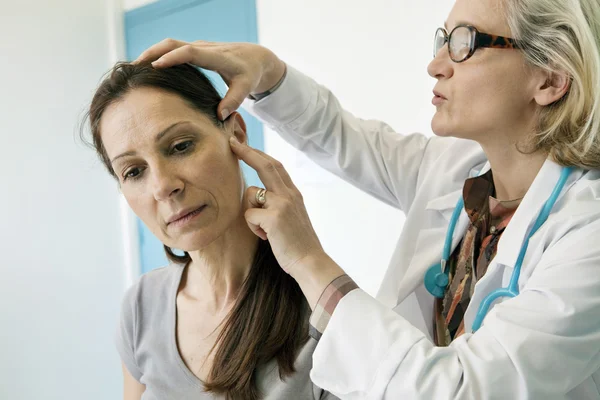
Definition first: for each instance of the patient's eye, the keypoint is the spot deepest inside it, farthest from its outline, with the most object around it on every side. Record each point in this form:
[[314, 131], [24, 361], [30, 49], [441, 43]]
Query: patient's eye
[[182, 147], [132, 173]]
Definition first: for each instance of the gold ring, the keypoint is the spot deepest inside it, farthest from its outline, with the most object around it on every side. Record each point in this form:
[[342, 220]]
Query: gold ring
[[261, 196]]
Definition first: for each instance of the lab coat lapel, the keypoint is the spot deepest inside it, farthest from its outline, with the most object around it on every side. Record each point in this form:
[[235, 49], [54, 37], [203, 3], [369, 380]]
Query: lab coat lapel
[[501, 267], [430, 242], [402, 277], [522, 221]]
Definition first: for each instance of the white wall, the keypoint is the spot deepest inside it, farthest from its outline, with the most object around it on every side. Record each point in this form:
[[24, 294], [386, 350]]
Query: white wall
[[61, 268], [373, 55]]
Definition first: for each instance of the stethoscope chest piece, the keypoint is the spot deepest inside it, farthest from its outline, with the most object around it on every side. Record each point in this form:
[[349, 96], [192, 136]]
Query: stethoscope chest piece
[[436, 281]]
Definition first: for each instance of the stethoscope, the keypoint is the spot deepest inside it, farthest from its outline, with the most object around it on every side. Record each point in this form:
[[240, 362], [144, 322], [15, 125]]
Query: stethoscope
[[436, 278]]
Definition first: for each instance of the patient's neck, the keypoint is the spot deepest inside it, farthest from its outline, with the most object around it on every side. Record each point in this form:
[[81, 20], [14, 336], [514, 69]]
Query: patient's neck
[[216, 273]]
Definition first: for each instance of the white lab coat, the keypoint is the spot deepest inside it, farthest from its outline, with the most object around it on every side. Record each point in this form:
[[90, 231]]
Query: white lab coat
[[543, 344]]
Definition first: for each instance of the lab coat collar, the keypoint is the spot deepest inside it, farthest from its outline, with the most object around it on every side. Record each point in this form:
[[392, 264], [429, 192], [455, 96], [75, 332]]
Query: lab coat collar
[[526, 214], [448, 201], [402, 286], [510, 243]]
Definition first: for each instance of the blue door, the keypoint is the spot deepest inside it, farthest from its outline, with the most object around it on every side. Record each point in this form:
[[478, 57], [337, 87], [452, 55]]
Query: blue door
[[189, 20]]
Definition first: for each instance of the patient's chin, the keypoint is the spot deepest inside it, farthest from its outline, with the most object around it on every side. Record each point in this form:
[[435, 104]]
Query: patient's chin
[[193, 241], [203, 232]]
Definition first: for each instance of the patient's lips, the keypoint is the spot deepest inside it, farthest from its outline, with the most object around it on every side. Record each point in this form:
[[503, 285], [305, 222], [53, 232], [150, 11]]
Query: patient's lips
[[184, 216]]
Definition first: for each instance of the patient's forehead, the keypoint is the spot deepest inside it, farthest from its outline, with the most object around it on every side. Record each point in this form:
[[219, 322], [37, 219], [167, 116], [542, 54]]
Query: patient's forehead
[[144, 107], [144, 112]]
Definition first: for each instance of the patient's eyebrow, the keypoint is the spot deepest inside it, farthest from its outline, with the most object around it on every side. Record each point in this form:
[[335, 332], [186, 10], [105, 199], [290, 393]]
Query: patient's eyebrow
[[159, 136]]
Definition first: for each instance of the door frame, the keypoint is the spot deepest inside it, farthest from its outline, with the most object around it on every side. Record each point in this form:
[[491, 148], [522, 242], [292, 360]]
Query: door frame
[[164, 7]]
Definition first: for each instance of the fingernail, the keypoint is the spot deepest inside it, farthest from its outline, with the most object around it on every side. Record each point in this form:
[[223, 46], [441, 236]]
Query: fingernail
[[224, 114], [234, 141], [157, 63]]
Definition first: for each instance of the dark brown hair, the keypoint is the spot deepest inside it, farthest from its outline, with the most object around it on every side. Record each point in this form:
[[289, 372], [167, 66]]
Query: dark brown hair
[[269, 319]]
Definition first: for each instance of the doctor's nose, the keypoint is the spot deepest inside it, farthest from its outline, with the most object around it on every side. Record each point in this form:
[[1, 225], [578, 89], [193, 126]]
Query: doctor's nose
[[165, 184], [441, 66]]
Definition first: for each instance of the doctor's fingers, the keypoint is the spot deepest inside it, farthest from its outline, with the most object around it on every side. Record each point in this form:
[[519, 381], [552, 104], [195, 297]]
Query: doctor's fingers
[[163, 47], [245, 67], [256, 197], [280, 169], [262, 212], [270, 171], [239, 75], [285, 223], [254, 223]]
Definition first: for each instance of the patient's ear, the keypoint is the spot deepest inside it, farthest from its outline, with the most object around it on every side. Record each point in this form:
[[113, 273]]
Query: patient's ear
[[237, 126]]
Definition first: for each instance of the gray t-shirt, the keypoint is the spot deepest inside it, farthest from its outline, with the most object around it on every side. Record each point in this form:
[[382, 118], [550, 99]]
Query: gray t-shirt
[[147, 344]]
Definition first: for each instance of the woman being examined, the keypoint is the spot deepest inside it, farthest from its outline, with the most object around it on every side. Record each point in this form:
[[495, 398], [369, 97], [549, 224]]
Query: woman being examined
[[223, 320]]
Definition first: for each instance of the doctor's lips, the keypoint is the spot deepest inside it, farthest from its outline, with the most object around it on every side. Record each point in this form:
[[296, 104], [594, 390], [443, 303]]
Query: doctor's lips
[[185, 215], [438, 98]]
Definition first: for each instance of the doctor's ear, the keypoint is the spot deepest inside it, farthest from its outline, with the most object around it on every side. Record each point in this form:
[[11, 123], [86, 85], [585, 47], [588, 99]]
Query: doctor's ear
[[236, 125], [553, 88]]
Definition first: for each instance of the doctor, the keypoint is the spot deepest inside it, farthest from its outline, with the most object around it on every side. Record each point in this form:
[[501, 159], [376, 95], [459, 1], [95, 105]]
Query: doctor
[[493, 291]]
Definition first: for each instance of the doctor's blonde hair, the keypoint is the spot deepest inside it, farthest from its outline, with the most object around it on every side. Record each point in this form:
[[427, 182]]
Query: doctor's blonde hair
[[564, 36]]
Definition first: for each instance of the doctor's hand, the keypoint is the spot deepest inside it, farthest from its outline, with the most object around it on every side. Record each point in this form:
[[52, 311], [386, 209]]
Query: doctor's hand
[[281, 217], [245, 67]]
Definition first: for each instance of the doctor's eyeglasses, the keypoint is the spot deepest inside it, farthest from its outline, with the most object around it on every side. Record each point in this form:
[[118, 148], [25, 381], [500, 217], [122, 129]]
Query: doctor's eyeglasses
[[463, 40]]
